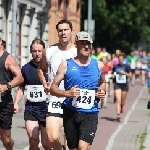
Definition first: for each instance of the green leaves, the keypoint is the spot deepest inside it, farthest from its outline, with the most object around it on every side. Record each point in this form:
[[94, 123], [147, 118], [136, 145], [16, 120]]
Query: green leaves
[[119, 24]]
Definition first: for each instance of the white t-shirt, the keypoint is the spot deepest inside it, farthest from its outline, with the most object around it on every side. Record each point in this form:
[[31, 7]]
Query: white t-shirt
[[54, 57]]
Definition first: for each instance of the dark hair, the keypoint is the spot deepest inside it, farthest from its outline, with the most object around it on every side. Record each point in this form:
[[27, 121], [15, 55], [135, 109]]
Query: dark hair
[[121, 55], [4, 43], [124, 55], [98, 47], [37, 41], [64, 21]]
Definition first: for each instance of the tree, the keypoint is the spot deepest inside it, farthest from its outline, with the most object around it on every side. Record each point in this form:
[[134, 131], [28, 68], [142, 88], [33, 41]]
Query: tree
[[119, 24]]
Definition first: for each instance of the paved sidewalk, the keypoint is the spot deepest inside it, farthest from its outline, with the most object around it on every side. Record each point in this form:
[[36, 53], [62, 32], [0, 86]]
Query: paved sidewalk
[[110, 135], [127, 136], [113, 135], [107, 120]]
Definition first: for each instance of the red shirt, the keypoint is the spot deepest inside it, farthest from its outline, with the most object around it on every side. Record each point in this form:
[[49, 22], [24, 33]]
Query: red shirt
[[107, 68]]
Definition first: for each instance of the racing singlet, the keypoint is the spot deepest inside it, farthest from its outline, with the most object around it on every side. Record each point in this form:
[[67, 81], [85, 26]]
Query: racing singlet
[[86, 77], [36, 97], [115, 61], [148, 76], [133, 61], [121, 78], [54, 57]]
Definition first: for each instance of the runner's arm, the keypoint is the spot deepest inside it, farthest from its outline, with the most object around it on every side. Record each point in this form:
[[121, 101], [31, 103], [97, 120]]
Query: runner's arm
[[129, 72], [12, 66], [54, 90], [42, 68], [102, 82], [19, 94]]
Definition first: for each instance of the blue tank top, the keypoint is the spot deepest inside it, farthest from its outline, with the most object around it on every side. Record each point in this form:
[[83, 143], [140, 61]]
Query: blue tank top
[[86, 77], [148, 72], [30, 75], [123, 67]]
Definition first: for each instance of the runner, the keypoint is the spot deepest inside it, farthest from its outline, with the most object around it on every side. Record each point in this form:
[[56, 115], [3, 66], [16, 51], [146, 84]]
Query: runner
[[53, 57], [35, 107], [138, 70], [109, 59], [98, 53], [115, 62], [148, 77], [115, 58], [121, 73], [144, 66], [82, 77], [93, 55], [107, 73], [133, 60], [105, 52], [10, 77]]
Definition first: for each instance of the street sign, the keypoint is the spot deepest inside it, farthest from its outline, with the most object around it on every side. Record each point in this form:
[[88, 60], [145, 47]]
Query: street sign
[[91, 27]]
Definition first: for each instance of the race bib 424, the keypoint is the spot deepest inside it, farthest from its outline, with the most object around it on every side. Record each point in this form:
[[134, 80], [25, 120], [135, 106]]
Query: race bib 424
[[85, 100]]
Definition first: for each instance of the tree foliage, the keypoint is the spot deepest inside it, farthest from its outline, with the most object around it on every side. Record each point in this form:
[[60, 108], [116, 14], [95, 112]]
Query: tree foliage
[[119, 23]]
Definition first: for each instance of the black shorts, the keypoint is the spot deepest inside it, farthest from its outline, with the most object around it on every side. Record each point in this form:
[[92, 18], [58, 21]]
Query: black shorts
[[54, 114], [34, 116], [133, 71], [6, 114], [123, 87], [79, 126]]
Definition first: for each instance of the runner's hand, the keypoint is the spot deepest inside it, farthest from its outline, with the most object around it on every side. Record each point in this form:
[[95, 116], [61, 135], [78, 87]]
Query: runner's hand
[[100, 94], [16, 108], [3, 88], [73, 92], [47, 88], [123, 72]]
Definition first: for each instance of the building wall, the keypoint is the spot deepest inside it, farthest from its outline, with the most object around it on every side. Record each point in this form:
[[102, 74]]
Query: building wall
[[63, 9], [36, 18], [32, 22]]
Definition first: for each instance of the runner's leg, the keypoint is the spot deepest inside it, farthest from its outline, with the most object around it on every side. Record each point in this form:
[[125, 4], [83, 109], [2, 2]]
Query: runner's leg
[[8, 142], [53, 129], [123, 98], [106, 97], [6, 114], [44, 138], [32, 128], [143, 77]]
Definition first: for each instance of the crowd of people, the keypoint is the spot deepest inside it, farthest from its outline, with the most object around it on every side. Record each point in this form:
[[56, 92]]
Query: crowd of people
[[122, 70], [67, 84]]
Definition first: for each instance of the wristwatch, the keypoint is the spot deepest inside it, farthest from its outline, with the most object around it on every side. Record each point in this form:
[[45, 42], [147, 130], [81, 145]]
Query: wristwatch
[[8, 86]]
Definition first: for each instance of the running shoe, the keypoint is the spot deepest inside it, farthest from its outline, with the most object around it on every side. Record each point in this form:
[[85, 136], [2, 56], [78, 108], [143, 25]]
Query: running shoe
[[118, 118]]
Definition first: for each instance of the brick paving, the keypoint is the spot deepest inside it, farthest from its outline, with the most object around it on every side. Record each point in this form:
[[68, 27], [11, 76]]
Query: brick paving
[[126, 139], [107, 119]]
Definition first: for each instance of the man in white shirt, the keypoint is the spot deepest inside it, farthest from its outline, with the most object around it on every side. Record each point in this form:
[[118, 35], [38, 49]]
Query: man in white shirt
[[52, 58]]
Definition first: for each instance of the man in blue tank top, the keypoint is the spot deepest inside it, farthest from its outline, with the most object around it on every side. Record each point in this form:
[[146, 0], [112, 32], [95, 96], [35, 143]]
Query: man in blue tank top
[[35, 107], [84, 85]]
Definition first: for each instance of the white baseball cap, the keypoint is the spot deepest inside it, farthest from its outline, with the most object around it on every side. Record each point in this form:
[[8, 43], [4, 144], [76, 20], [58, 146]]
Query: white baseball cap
[[83, 36]]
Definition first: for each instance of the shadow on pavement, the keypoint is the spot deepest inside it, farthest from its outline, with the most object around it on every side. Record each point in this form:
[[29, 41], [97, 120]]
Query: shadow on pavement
[[21, 127], [109, 119]]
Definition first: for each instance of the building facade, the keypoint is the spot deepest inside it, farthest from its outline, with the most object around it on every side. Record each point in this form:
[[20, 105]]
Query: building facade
[[36, 19], [64, 9]]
